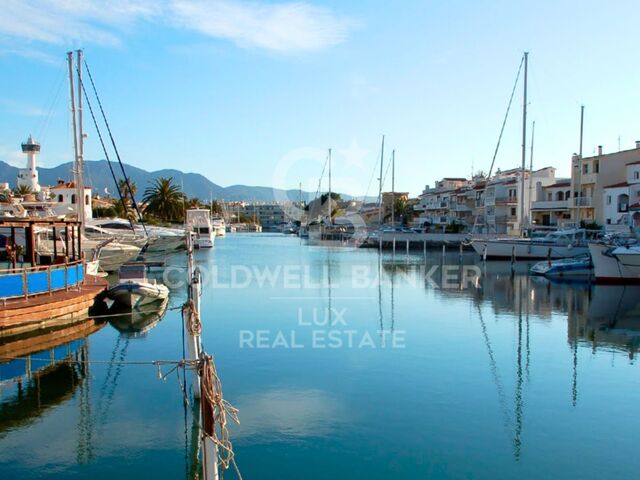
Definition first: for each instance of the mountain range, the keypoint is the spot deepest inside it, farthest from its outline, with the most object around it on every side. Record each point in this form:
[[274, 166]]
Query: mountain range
[[98, 176]]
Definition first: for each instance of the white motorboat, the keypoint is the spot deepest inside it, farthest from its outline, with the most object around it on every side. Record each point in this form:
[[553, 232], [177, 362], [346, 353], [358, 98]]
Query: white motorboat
[[198, 221], [159, 239], [219, 226], [559, 244], [614, 263], [133, 290], [576, 267], [110, 254]]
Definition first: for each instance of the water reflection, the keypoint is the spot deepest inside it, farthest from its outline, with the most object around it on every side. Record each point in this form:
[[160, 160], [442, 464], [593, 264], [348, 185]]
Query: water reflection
[[40, 372], [598, 316], [288, 414], [138, 323]]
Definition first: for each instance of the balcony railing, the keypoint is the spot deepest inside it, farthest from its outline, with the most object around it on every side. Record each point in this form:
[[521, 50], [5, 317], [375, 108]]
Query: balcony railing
[[550, 205], [582, 202], [24, 282]]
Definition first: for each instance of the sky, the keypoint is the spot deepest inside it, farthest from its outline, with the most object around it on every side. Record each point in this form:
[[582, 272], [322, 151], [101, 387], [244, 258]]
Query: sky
[[256, 92]]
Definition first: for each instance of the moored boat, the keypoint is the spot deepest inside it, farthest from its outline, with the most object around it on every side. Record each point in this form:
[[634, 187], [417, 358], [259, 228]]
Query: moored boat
[[134, 290], [198, 221], [555, 245], [576, 267], [615, 263]]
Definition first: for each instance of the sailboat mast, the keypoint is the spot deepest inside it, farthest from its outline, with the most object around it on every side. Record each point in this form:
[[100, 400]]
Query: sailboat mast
[[578, 190], [80, 166], [533, 131], [380, 186], [393, 187], [524, 141], [74, 124], [330, 218]]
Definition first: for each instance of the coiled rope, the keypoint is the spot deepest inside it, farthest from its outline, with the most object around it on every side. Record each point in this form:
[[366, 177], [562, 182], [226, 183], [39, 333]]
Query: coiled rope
[[191, 318], [215, 410]]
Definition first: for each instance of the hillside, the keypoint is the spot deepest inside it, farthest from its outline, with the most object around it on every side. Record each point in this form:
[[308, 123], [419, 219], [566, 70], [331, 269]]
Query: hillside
[[98, 176]]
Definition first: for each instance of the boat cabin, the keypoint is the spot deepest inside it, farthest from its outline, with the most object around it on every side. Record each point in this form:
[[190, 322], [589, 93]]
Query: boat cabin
[[39, 256]]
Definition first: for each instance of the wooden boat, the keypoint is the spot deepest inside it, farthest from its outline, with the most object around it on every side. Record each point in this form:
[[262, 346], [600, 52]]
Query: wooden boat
[[40, 291]]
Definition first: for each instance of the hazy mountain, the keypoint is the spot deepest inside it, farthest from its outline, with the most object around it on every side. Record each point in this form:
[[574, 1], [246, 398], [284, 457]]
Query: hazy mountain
[[98, 176]]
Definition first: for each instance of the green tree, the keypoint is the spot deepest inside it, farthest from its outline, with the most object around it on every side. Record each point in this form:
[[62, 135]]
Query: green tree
[[22, 190], [128, 193], [216, 207], [403, 211], [192, 202], [164, 200]]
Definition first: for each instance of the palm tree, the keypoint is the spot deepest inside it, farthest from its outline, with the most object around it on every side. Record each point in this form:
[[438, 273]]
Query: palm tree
[[128, 193], [22, 190], [164, 200], [403, 210], [192, 202]]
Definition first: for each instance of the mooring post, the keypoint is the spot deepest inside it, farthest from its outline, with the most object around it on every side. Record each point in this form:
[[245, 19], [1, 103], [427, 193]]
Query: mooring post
[[424, 248], [444, 249], [394, 245], [191, 315], [484, 253]]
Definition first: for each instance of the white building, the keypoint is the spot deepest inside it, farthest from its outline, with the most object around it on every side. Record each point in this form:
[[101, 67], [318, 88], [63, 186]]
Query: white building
[[64, 196], [552, 207], [29, 176], [621, 201]]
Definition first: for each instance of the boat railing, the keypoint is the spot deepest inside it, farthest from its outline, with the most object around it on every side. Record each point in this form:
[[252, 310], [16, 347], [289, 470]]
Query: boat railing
[[24, 282]]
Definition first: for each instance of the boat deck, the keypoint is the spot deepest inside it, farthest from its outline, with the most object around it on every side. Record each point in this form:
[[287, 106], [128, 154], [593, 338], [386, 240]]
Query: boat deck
[[20, 315]]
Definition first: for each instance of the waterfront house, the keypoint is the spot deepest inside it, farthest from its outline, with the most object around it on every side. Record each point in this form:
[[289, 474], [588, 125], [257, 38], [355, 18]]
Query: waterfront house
[[551, 207], [591, 175]]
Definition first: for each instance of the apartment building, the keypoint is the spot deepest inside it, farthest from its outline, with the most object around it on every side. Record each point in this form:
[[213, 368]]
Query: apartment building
[[551, 208], [450, 200], [503, 203], [591, 175]]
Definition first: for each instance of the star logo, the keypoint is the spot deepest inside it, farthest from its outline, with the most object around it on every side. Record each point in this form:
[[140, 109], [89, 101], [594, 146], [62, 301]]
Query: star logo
[[354, 154]]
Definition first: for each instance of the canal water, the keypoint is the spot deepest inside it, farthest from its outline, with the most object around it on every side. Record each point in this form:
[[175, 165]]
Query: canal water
[[347, 364]]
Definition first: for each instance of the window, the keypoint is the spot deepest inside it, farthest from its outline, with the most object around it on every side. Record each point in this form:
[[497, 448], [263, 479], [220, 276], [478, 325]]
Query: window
[[86, 199], [608, 199], [73, 198], [596, 166], [513, 211], [608, 221], [567, 194], [61, 198], [636, 175], [549, 196], [585, 168]]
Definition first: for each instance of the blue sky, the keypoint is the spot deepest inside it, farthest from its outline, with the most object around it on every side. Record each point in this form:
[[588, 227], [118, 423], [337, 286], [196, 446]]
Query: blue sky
[[255, 92]]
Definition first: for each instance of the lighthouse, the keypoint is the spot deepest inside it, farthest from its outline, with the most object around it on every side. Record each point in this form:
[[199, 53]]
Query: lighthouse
[[29, 176]]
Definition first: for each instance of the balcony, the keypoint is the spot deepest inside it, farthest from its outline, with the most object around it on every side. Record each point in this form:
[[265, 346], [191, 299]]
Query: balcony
[[551, 205], [582, 202], [506, 200]]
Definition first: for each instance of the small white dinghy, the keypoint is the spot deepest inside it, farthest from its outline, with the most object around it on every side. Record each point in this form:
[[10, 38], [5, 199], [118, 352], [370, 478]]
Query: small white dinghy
[[133, 290]]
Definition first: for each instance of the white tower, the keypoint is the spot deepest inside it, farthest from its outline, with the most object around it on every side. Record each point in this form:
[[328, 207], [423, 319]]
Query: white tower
[[29, 176]]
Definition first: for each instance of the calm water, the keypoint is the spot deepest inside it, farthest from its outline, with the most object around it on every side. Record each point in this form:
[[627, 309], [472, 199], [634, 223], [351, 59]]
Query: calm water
[[504, 376]]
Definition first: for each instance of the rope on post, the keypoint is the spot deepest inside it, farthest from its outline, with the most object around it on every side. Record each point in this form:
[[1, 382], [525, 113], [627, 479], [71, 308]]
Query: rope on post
[[215, 410], [191, 318]]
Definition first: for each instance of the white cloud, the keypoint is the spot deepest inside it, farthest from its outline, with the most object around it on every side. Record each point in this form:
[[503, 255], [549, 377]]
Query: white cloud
[[280, 27], [285, 27]]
